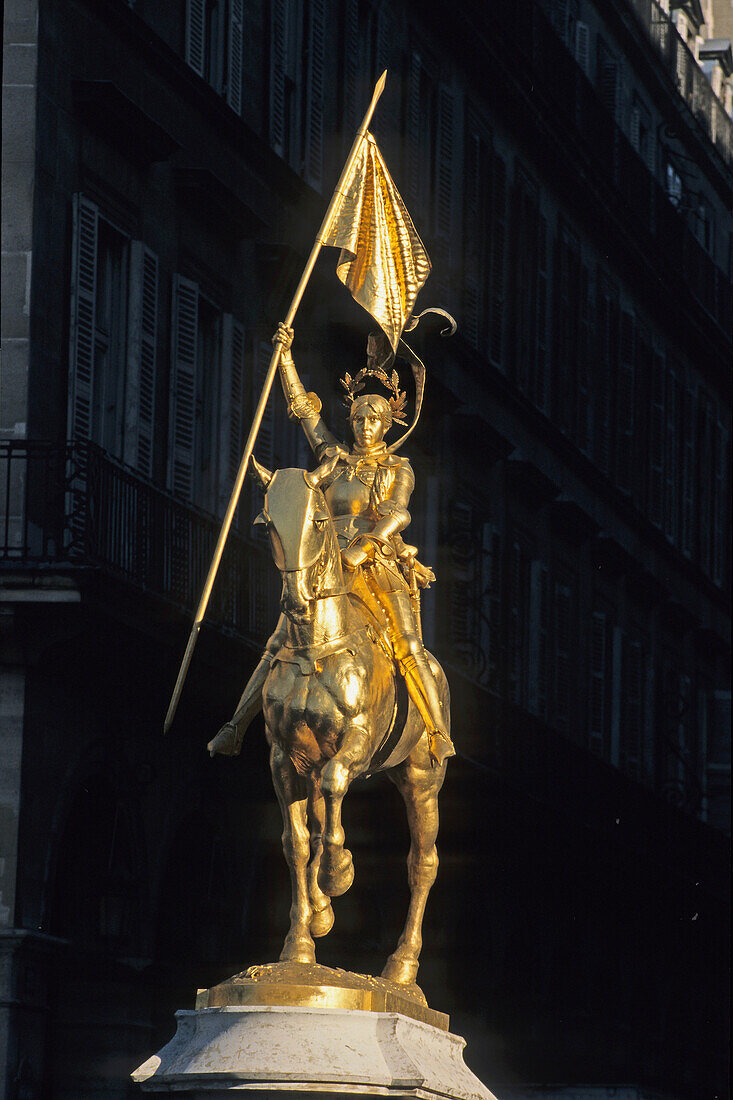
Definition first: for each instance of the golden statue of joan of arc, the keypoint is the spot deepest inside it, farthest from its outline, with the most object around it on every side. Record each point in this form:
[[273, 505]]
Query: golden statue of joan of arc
[[367, 489]]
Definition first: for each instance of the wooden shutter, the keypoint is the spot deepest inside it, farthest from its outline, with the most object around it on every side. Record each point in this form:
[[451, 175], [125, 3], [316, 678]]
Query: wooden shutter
[[416, 171], [517, 602], [584, 417], [688, 474], [142, 346], [476, 161], [265, 445], [352, 69], [672, 448], [230, 406], [314, 93], [624, 442], [83, 317], [721, 503], [463, 585], [491, 607], [607, 78], [631, 726], [539, 387], [390, 138], [235, 46], [582, 46], [445, 168], [196, 34], [656, 441], [183, 387], [597, 689], [497, 239], [278, 26], [538, 632], [562, 644]]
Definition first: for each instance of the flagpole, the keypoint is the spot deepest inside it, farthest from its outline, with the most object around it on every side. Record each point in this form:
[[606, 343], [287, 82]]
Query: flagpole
[[260, 410]]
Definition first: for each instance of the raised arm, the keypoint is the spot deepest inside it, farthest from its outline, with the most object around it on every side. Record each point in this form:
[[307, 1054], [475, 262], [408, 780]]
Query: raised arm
[[302, 406]]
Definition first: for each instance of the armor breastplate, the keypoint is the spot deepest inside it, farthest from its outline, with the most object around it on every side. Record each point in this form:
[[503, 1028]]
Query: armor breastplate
[[349, 499]]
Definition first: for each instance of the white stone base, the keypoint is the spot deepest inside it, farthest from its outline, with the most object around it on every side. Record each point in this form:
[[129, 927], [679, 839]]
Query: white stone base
[[318, 1051]]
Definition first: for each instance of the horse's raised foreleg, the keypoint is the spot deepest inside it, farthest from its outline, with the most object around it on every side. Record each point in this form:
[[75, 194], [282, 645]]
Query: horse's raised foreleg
[[293, 798], [419, 784], [336, 872], [322, 910]]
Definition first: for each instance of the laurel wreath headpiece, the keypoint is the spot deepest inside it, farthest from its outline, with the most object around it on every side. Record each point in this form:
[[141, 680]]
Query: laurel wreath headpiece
[[379, 358]]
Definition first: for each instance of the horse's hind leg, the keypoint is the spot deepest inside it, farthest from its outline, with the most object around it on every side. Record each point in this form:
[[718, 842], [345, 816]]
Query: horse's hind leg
[[419, 784], [292, 795], [322, 910]]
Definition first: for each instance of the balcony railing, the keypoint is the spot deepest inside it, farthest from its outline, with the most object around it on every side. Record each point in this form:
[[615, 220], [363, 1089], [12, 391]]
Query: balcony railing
[[685, 73], [72, 506]]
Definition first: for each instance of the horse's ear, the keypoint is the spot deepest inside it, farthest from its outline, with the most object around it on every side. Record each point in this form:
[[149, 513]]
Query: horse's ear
[[321, 472], [260, 474]]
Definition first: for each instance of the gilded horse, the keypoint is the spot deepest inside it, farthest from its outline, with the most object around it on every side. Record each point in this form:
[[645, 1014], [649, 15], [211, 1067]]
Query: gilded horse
[[336, 709]]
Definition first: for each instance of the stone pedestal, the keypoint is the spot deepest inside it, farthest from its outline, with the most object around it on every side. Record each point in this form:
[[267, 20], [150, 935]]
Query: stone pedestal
[[315, 1052]]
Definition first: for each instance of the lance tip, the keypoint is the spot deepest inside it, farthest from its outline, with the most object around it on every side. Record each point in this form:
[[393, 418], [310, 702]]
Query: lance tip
[[379, 88]]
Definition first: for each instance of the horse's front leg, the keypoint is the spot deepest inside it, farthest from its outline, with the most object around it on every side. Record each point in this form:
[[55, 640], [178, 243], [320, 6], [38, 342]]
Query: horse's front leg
[[293, 798], [336, 871], [419, 784], [322, 910]]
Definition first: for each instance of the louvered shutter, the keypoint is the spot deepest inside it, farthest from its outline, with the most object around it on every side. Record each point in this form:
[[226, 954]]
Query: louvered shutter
[[314, 93], [631, 726], [539, 394], [688, 474], [416, 171], [582, 50], [390, 138], [491, 607], [584, 418], [445, 168], [230, 405], [497, 241], [462, 584], [83, 317], [672, 448], [235, 46], [142, 341], [625, 405], [562, 640], [352, 68], [721, 503], [656, 441], [264, 450], [474, 232], [597, 690], [183, 387], [516, 622], [278, 24], [538, 655], [196, 34]]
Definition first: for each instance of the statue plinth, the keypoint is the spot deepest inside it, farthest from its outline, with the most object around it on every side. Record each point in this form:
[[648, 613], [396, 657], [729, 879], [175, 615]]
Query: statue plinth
[[305, 1028], [310, 985]]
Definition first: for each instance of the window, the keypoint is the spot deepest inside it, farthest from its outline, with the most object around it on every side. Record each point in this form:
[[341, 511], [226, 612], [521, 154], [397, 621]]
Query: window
[[529, 304], [632, 709], [640, 134], [214, 44], [562, 635], [297, 72], [205, 399], [607, 78], [673, 184], [113, 345], [705, 225], [598, 693]]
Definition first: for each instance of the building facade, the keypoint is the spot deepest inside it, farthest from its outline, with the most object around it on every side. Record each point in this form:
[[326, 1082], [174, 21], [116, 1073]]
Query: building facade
[[569, 166]]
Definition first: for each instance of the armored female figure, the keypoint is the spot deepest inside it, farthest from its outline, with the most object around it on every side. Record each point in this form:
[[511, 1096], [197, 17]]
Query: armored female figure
[[367, 489]]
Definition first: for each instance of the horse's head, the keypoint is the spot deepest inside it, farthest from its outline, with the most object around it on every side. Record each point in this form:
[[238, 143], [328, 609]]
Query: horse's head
[[302, 538]]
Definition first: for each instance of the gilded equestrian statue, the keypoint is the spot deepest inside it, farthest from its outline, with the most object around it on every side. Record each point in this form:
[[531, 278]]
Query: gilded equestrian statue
[[345, 683]]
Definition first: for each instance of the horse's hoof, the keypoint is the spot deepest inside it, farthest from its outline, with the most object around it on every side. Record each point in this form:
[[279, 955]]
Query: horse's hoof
[[322, 921], [225, 741], [403, 971], [335, 876], [298, 949]]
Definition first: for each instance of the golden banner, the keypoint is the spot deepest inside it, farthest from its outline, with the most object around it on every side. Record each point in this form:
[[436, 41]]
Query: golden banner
[[383, 262]]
